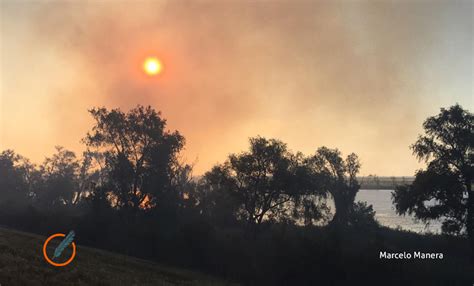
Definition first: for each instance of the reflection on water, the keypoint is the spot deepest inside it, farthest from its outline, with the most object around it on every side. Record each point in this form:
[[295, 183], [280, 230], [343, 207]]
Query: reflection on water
[[381, 201]]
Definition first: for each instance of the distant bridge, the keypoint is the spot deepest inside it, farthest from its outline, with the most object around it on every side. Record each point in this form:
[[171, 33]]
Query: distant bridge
[[383, 183]]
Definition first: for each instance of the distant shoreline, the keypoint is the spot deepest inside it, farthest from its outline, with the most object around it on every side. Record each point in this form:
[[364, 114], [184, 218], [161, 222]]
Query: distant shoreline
[[383, 183]]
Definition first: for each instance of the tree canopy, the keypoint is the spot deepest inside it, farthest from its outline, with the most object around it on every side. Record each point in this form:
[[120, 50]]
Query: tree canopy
[[444, 189], [264, 183], [140, 154], [337, 177]]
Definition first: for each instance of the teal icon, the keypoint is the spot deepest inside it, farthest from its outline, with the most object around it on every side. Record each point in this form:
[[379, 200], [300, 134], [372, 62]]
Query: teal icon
[[65, 243]]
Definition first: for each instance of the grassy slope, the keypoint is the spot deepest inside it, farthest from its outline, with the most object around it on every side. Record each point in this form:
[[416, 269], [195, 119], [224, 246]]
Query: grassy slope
[[22, 263]]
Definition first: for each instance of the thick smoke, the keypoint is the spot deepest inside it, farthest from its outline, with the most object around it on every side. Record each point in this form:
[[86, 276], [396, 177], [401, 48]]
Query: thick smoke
[[353, 75]]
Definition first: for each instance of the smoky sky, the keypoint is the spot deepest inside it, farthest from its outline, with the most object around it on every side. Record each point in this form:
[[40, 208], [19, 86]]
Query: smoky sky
[[357, 75]]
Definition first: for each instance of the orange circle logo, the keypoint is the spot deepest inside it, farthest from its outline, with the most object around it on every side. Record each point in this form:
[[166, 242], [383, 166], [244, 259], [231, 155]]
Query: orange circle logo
[[51, 261]]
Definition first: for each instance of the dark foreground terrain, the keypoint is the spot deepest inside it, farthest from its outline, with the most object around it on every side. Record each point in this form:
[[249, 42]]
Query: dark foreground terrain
[[314, 258], [22, 263]]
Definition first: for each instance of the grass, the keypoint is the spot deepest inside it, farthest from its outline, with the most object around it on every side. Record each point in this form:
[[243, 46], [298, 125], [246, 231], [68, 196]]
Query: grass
[[22, 263], [294, 256]]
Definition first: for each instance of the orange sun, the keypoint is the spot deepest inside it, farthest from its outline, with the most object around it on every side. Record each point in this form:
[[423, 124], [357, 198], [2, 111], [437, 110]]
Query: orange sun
[[152, 66]]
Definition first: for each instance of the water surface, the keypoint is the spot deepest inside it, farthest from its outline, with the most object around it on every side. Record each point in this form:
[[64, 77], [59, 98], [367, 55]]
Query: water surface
[[381, 201]]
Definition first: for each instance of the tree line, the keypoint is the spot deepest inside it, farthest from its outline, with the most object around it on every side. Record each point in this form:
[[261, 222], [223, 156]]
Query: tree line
[[130, 192], [132, 166]]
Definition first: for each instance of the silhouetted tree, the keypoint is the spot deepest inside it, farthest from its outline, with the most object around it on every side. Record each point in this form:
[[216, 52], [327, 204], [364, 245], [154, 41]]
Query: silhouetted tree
[[263, 181], [338, 177], [87, 176], [14, 178], [59, 182], [184, 189], [447, 147], [139, 154], [215, 200]]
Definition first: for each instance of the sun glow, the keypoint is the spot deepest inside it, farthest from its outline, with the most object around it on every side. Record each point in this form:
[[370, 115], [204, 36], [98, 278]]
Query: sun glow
[[152, 66]]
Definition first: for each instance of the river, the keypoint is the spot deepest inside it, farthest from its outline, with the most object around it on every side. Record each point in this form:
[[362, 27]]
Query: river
[[385, 214]]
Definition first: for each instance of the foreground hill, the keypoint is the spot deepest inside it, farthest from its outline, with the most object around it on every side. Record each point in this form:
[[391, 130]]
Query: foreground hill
[[22, 263]]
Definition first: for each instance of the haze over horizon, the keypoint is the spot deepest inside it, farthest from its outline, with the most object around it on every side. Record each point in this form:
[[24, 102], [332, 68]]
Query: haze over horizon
[[359, 76]]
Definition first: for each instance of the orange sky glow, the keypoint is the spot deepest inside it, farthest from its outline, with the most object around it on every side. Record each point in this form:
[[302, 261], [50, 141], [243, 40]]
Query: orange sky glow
[[359, 76]]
